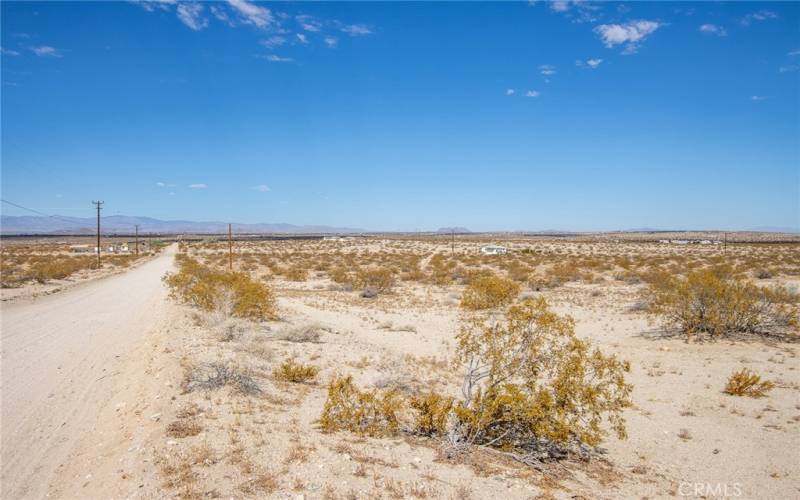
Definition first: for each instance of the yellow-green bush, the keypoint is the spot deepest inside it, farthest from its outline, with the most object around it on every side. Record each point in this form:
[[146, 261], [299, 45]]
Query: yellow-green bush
[[207, 289], [432, 412], [716, 302], [530, 378], [487, 292], [531, 387], [747, 383], [379, 278], [347, 408], [292, 371]]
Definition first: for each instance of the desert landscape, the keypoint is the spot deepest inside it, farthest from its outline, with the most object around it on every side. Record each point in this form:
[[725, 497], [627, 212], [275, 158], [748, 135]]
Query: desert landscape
[[238, 396], [543, 249]]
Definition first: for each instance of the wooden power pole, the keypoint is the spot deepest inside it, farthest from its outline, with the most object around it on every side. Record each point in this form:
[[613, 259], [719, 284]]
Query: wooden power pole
[[137, 239], [99, 205], [453, 241], [230, 248]]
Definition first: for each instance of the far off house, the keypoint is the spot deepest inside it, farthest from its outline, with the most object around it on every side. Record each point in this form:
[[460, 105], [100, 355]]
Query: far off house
[[120, 248], [493, 250]]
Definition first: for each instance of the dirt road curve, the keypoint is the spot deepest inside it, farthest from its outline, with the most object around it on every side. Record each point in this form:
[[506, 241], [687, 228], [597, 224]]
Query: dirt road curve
[[60, 356]]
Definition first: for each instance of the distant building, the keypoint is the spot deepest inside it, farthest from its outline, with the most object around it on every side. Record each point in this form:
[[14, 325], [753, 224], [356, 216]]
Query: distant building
[[81, 249], [493, 250]]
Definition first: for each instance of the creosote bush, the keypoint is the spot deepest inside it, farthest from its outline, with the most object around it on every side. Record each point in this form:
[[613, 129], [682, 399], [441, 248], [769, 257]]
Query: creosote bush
[[347, 408], [717, 303], [432, 410], [298, 373], [487, 292], [531, 388], [747, 383], [207, 289]]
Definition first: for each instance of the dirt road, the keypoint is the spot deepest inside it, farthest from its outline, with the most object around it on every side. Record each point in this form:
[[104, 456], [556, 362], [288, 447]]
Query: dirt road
[[62, 356]]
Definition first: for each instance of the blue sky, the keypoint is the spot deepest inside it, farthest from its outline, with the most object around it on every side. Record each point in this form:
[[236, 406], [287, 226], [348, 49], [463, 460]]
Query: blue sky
[[406, 116]]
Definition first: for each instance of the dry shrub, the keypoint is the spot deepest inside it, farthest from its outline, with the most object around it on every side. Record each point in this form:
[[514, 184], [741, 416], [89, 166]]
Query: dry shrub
[[183, 428], [747, 383], [531, 388], [378, 278], [303, 333], [298, 373], [374, 413], [717, 303], [487, 292], [432, 413], [207, 289], [296, 273], [210, 376]]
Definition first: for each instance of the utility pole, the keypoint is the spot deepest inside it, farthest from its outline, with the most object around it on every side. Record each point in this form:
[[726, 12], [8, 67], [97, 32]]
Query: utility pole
[[453, 241], [137, 239], [99, 205], [230, 248], [725, 243]]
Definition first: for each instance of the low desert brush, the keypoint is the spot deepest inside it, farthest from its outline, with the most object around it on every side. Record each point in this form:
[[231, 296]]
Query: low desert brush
[[717, 303], [374, 413], [747, 383], [531, 388], [208, 289], [487, 292], [298, 373]]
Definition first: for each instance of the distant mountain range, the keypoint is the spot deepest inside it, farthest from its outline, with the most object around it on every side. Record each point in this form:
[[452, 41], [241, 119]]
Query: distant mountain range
[[122, 224], [456, 230]]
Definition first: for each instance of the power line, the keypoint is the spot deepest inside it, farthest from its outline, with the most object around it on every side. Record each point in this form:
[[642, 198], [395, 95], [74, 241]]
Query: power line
[[70, 220]]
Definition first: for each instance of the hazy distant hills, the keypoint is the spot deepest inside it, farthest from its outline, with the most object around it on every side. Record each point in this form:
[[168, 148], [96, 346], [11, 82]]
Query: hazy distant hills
[[457, 230], [12, 224]]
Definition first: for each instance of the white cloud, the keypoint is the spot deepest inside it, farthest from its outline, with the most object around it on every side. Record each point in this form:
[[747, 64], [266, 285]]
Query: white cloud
[[795, 52], [547, 69], [251, 13], [758, 98], [46, 51], [510, 91], [302, 38], [274, 58], [160, 184], [560, 5], [592, 63], [221, 15], [262, 188], [713, 29], [631, 33], [8, 52], [198, 186], [789, 68], [532, 93], [191, 14], [331, 41], [151, 5], [761, 15], [355, 29], [273, 41], [309, 23]]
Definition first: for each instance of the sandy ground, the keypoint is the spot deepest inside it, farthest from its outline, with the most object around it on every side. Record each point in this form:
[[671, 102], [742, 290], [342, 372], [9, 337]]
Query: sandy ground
[[63, 360], [686, 437], [91, 388]]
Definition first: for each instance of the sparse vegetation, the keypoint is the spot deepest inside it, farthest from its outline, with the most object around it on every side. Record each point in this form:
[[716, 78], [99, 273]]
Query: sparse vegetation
[[347, 408], [717, 303], [293, 371], [486, 292], [747, 383], [207, 289]]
